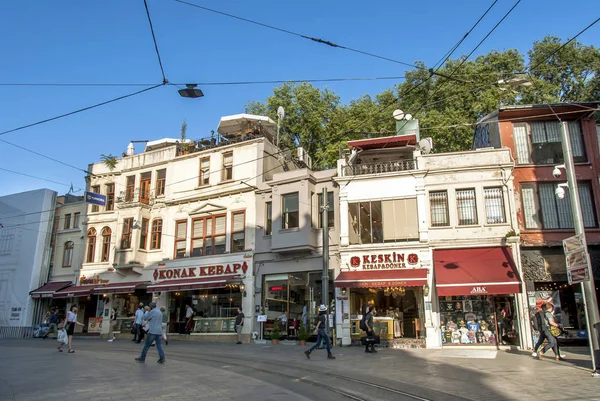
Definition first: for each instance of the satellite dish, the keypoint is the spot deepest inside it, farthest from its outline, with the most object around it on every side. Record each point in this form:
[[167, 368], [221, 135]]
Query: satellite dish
[[425, 145], [408, 117], [280, 112], [398, 114]]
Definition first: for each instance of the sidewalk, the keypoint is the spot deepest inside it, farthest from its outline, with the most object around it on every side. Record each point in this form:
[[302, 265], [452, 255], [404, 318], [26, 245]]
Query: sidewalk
[[33, 370]]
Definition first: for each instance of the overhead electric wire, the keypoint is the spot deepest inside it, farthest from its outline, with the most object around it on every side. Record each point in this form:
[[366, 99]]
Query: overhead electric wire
[[80, 110], [162, 70], [74, 84], [313, 39], [37, 178]]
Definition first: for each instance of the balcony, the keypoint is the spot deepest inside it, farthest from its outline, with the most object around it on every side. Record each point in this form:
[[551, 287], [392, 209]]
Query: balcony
[[379, 168], [134, 198]]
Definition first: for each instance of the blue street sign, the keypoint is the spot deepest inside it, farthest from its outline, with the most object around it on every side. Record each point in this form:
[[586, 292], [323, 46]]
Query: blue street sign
[[95, 199]]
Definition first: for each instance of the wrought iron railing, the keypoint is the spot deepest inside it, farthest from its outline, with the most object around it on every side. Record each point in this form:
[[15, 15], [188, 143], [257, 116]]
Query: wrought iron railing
[[379, 168], [129, 198]]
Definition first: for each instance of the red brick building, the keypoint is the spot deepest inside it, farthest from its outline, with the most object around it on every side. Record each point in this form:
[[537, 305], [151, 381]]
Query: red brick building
[[533, 133]]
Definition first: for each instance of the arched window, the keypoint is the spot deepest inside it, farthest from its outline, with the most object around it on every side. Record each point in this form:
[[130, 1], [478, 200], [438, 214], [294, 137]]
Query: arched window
[[106, 233], [91, 245], [68, 254], [156, 234]]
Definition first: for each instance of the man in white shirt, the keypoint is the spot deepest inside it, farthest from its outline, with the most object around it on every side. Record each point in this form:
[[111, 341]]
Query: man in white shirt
[[189, 314], [139, 333]]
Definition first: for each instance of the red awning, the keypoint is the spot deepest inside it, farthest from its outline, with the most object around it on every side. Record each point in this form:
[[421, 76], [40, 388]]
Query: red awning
[[119, 288], [75, 291], [475, 271], [48, 290], [388, 142], [192, 283], [382, 278]]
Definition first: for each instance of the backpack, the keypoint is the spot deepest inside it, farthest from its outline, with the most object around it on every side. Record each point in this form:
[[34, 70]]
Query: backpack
[[539, 322], [363, 324]]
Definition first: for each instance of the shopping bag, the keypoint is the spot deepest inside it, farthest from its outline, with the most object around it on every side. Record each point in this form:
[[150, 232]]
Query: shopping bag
[[370, 340], [62, 337]]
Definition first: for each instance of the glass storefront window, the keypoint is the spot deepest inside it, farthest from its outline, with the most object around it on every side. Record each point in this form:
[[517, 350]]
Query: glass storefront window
[[483, 320], [399, 311]]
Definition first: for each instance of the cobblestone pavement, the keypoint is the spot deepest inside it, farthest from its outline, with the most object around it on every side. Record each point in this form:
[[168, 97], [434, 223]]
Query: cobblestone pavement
[[32, 370]]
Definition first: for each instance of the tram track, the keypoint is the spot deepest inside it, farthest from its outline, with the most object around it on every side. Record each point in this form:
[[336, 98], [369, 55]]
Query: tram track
[[257, 365]]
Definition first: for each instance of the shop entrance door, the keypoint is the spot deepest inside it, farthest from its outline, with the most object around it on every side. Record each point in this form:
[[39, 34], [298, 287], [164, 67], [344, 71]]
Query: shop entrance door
[[507, 322]]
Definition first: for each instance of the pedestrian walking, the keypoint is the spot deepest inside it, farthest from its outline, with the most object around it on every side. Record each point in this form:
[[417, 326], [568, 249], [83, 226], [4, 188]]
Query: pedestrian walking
[[239, 323], [165, 323], [545, 320], [189, 317], [321, 332], [552, 310], [52, 324], [70, 324], [369, 328], [138, 332], [154, 318], [111, 325]]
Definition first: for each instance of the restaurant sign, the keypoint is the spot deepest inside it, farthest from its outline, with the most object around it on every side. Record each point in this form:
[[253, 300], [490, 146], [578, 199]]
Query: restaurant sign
[[201, 271], [379, 261], [95, 279]]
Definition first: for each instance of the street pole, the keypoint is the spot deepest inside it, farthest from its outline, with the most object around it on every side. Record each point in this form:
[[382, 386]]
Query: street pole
[[325, 225], [588, 287]]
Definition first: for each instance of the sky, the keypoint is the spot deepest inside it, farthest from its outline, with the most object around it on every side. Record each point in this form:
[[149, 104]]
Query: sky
[[109, 41]]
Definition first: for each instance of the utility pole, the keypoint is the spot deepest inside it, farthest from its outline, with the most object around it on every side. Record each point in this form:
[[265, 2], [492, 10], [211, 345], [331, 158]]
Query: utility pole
[[588, 288], [325, 225]]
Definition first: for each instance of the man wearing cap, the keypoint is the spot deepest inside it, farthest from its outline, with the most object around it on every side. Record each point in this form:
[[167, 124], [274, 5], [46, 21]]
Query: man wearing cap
[[154, 321], [321, 332]]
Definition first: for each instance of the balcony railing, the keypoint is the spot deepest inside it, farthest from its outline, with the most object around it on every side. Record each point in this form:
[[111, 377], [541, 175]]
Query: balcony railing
[[135, 197], [379, 168]]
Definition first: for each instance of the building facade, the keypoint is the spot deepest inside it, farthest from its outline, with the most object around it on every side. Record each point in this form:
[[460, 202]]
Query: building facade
[[178, 229], [25, 232], [425, 239], [288, 257], [533, 135]]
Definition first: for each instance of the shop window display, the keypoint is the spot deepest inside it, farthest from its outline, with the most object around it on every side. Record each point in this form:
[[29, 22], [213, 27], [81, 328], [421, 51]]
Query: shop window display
[[478, 320], [399, 311]]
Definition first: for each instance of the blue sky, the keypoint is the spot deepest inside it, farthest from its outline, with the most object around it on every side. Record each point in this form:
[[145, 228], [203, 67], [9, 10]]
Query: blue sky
[[109, 41]]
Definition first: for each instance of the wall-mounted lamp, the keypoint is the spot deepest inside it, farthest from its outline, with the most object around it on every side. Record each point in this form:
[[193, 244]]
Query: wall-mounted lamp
[[343, 291], [243, 289], [426, 290]]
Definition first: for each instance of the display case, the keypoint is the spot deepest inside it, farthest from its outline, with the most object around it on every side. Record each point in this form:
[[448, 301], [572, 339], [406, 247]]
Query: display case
[[214, 325], [124, 324], [382, 326]]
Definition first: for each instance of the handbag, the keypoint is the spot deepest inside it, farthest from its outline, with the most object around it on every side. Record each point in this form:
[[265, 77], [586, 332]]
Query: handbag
[[555, 331], [370, 340], [67, 326], [62, 337], [133, 330]]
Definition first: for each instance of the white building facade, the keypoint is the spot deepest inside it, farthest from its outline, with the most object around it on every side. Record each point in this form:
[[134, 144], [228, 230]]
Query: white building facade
[[177, 229], [421, 234], [25, 233]]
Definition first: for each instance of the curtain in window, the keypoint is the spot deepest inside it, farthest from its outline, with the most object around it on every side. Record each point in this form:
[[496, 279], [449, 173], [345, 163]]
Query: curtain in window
[[587, 205], [538, 133], [465, 204], [553, 131], [529, 209], [564, 211], [521, 144], [548, 206], [494, 205], [353, 226], [576, 139], [438, 203]]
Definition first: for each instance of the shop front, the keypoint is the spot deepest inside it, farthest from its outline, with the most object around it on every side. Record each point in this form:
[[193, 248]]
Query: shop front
[[90, 306], [477, 297], [397, 283], [213, 292]]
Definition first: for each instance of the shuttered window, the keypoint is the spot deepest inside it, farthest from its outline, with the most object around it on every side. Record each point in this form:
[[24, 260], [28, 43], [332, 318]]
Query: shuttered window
[[208, 235], [494, 205], [530, 209], [238, 232], [521, 144], [438, 205], [180, 238], [400, 220]]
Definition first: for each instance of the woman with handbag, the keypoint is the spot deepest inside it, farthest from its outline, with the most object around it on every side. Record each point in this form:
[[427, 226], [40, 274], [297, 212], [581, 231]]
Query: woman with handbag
[[70, 328]]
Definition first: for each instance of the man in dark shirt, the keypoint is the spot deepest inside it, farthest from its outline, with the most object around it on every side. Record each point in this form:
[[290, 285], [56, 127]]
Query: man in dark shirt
[[370, 332], [239, 323], [52, 323], [321, 332]]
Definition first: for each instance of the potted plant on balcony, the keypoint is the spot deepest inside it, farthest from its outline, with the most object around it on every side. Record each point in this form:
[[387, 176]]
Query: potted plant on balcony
[[275, 333], [184, 147], [302, 334], [109, 161]]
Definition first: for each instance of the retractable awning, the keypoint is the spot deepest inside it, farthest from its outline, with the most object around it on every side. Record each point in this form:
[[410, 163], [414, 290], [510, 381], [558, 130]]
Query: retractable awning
[[48, 290], [119, 288], [382, 278], [475, 271], [193, 283], [75, 291]]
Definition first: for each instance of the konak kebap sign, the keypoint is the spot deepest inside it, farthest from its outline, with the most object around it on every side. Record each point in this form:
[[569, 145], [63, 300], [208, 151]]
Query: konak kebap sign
[[201, 271], [378, 261]]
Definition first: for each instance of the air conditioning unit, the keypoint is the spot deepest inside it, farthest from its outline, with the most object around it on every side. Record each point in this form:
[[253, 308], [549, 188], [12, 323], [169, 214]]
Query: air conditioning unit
[[303, 157]]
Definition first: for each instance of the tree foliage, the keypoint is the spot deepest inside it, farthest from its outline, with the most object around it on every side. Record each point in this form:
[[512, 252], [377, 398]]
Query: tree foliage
[[447, 108]]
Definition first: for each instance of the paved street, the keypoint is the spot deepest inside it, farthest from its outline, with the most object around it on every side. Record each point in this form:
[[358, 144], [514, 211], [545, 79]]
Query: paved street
[[32, 370]]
